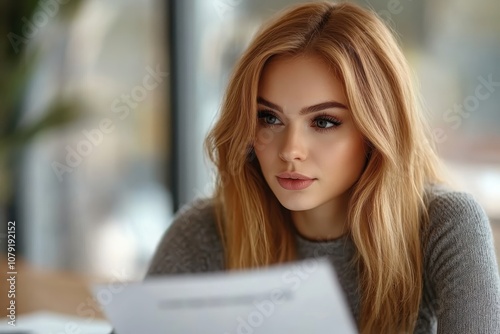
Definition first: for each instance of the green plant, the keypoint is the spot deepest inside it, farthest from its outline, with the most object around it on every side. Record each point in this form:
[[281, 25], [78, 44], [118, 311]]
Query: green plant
[[17, 67]]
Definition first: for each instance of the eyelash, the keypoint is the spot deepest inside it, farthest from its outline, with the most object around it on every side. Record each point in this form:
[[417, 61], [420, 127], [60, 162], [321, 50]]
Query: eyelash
[[262, 114]]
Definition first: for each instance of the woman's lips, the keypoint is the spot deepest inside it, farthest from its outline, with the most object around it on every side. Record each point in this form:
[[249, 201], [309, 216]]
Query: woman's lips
[[293, 175], [294, 184]]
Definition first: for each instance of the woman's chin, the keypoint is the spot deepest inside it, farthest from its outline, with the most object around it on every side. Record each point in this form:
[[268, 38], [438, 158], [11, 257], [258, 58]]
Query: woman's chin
[[295, 204]]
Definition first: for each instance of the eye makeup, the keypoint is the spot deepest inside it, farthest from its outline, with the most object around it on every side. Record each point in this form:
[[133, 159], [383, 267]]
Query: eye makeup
[[322, 122]]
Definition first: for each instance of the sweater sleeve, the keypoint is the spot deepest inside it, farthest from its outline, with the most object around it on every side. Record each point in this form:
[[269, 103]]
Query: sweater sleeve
[[191, 244], [461, 266]]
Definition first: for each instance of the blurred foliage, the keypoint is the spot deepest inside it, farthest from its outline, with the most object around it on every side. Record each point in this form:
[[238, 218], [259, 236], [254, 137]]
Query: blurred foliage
[[17, 67]]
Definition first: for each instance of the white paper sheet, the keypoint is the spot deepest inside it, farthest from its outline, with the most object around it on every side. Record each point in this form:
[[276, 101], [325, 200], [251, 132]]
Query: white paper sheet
[[45, 322], [302, 297]]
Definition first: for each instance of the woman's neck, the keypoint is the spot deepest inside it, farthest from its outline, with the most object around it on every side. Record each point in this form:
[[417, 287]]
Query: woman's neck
[[325, 222]]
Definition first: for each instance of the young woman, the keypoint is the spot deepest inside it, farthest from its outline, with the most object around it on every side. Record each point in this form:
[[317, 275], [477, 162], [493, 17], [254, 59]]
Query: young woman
[[321, 149]]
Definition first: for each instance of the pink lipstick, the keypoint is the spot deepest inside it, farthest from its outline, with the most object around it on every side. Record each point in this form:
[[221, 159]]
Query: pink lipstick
[[294, 181]]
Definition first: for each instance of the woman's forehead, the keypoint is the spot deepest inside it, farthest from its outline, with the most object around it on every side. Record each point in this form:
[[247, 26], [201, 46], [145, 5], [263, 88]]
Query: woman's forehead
[[306, 80]]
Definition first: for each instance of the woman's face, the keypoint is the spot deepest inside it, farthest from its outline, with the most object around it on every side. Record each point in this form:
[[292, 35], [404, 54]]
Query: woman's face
[[305, 127]]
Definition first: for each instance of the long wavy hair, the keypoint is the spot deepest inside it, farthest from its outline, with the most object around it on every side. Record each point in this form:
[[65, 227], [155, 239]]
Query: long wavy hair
[[387, 209]]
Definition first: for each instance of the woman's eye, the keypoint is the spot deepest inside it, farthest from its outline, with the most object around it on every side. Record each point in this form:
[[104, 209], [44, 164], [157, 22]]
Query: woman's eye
[[324, 123], [268, 118]]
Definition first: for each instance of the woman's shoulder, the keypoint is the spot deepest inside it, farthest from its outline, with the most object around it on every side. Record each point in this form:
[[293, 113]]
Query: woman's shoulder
[[453, 211], [191, 243], [441, 191], [445, 203], [457, 224], [194, 223], [195, 217]]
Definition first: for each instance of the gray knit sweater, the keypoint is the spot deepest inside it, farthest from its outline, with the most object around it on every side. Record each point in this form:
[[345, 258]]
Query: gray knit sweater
[[461, 284]]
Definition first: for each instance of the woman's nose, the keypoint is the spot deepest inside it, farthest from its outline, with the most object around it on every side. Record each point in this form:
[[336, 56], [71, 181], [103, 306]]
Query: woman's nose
[[293, 145]]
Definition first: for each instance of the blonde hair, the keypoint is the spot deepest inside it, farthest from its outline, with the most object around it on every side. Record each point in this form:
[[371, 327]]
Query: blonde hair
[[387, 209]]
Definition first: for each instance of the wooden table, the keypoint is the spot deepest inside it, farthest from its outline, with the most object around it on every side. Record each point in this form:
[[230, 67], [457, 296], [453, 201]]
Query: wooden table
[[40, 289]]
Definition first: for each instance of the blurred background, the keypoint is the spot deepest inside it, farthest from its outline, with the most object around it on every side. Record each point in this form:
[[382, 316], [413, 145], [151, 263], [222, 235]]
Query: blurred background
[[105, 103]]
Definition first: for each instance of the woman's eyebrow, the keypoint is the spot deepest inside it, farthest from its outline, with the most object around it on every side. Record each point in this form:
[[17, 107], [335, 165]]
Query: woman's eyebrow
[[305, 110]]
